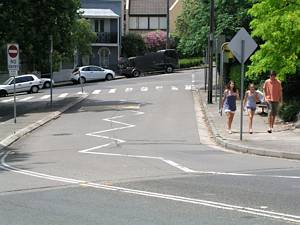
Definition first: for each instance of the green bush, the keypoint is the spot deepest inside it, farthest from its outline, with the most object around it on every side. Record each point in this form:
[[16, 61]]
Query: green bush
[[289, 111], [133, 45], [190, 62]]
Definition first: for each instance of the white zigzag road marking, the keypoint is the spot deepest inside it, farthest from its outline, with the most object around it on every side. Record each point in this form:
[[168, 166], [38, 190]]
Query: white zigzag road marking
[[118, 141], [114, 140]]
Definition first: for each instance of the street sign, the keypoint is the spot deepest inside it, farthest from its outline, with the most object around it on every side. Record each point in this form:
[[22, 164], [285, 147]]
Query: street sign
[[236, 47], [13, 57], [13, 73]]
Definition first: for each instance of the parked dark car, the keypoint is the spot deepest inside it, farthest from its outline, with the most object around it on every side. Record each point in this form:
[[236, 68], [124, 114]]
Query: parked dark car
[[163, 60]]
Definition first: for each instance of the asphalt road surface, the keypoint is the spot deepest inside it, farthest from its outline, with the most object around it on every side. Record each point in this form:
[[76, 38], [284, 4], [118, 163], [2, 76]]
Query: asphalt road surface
[[137, 152]]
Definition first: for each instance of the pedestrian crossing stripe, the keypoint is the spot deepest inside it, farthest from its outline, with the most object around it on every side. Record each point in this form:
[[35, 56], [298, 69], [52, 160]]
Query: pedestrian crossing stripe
[[26, 99], [63, 95], [128, 89], [98, 91], [45, 97]]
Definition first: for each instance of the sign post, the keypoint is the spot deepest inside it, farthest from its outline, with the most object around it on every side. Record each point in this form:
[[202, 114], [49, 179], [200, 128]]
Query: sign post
[[242, 45], [13, 68]]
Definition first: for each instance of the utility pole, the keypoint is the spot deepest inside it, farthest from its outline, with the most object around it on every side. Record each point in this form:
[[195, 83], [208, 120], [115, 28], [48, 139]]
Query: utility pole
[[51, 71], [168, 25], [210, 52]]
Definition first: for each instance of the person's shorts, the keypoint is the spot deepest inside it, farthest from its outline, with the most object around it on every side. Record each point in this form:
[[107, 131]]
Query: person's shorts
[[251, 108], [228, 110], [273, 108]]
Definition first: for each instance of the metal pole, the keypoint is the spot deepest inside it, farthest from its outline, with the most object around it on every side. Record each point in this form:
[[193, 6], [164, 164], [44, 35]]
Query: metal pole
[[210, 53], [221, 79], [205, 71], [51, 72], [242, 86], [168, 25], [15, 99], [216, 76]]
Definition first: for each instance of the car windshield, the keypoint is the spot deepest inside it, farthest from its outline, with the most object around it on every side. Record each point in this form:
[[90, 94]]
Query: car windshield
[[7, 82]]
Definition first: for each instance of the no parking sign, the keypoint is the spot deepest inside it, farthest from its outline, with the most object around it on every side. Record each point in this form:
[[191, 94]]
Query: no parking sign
[[13, 57]]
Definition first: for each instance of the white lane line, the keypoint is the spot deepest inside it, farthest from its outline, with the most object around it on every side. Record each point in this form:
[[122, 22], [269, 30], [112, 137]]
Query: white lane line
[[45, 97], [63, 95], [144, 89], [112, 91], [115, 140], [159, 87], [201, 202], [174, 88], [188, 87], [128, 89], [96, 92], [246, 175], [8, 100], [26, 99], [193, 78]]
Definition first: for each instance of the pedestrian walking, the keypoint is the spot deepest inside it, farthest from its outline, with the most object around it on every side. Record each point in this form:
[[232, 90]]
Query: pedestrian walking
[[231, 94], [250, 99], [273, 96]]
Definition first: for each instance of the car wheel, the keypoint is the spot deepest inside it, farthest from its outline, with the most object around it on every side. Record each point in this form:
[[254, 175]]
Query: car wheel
[[47, 85], [169, 69], [109, 77], [3, 93], [136, 73], [34, 89], [81, 80]]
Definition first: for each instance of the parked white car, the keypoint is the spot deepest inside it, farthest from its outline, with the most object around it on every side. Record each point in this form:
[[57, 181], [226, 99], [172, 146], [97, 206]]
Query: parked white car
[[89, 73], [24, 83], [46, 82]]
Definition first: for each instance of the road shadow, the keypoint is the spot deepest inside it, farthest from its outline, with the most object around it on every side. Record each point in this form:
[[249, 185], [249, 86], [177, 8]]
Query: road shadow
[[13, 156]]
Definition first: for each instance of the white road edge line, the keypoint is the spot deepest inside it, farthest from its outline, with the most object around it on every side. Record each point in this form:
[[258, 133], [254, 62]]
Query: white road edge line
[[217, 205]]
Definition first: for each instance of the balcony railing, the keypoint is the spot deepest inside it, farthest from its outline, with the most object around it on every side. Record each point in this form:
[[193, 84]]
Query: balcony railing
[[107, 37]]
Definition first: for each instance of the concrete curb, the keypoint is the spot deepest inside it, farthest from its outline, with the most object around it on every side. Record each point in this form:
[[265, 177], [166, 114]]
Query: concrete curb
[[223, 142], [22, 132]]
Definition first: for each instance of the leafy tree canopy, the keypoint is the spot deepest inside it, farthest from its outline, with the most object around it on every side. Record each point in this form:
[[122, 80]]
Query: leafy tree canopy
[[193, 24], [30, 24], [277, 23]]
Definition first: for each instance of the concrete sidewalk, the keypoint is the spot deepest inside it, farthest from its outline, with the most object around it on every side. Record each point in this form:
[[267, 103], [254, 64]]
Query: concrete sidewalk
[[284, 142]]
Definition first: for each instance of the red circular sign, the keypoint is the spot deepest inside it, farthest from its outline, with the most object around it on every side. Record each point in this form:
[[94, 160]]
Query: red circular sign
[[13, 51]]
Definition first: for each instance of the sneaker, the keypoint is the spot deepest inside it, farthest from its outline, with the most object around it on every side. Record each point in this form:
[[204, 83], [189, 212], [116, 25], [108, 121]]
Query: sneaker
[[269, 130], [229, 132], [250, 131]]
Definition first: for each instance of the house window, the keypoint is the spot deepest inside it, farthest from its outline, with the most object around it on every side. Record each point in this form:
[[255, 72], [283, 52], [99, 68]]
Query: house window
[[162, 23], [104, 57], [143, 23], [99, 25], [154, 23], [133, 23]]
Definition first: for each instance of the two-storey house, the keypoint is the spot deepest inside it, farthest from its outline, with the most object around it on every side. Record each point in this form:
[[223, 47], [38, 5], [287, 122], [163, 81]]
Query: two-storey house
[[143, 16], [106, 19]]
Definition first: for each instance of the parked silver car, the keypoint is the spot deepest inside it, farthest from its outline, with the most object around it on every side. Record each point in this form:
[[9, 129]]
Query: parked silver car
[[24, 83], [89, 73]]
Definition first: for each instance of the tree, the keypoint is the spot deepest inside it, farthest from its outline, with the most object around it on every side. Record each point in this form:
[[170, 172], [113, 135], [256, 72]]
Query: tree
[[31, 22], [155, 40], [133, 45], [83, 36], [192, 26], [277, 23]]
